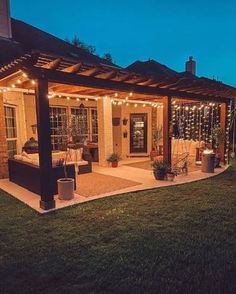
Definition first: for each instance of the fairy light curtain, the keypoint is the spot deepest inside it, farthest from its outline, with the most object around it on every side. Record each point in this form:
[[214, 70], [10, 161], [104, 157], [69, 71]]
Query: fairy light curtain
[[195, 121]]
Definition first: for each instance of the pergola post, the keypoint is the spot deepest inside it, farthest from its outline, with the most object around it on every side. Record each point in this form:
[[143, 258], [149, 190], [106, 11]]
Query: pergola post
[[45, 147], [166, 129], [223, 117]]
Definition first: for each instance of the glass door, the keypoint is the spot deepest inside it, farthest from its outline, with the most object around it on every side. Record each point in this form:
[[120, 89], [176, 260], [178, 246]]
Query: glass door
[[138, 133]]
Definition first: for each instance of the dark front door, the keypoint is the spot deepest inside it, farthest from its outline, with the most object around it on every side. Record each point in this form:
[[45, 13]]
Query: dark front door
[[138, 133]]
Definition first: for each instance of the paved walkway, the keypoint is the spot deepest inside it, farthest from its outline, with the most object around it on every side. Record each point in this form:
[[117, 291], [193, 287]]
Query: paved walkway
[[143, 177]]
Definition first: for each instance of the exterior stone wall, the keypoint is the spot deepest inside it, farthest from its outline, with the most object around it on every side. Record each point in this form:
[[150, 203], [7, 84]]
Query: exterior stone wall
[[117, 130], [105, 131], [3, 143]]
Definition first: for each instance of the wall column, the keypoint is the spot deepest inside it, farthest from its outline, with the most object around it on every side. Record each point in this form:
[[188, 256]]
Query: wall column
[[166, 129], [105, 134], [45, 147], [3, 142]]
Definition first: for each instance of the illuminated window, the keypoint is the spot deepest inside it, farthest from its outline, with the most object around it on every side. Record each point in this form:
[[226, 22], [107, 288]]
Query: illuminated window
[[11, 132]]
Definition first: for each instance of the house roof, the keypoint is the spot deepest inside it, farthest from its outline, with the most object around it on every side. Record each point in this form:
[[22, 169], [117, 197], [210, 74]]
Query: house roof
[[40, 53], [26, 38], [152, 68]]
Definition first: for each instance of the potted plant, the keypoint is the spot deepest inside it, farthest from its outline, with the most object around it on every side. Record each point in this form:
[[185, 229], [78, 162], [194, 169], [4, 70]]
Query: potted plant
[[160, 169], [69, 129], [218, 138], [114, 158], [65, 185], [157, 136]]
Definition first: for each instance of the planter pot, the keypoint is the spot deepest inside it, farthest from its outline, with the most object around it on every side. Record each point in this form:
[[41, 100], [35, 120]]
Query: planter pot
[[114, 163], [170, 177], [159, 175], [66, 188]]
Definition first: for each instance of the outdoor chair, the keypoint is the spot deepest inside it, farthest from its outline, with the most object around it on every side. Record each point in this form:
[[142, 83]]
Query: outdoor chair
[[181, 164]]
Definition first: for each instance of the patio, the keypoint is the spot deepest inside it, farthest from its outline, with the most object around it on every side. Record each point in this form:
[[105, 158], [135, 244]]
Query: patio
[[107, 181]]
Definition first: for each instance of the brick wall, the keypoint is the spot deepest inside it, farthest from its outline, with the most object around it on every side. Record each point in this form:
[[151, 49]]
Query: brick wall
[[3, 143]]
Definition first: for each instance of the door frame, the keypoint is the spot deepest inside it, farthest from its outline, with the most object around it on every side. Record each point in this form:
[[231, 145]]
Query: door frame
[[145, 118]]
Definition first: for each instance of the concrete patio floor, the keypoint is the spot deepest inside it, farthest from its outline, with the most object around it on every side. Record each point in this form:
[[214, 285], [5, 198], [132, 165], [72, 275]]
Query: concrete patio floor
[[142, 180]]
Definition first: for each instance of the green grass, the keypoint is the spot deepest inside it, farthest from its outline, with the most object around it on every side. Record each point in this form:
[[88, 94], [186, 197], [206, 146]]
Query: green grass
[[172, 240]]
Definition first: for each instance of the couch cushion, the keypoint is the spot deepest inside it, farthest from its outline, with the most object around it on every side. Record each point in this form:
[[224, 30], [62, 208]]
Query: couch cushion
[[82, 162], [34, 156], [58, 155], [74, 155], [18, 157]]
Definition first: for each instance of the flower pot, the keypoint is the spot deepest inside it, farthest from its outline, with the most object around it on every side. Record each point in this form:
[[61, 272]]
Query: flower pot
[[159, 175], [66, 188], [114, 163], [170, 177]]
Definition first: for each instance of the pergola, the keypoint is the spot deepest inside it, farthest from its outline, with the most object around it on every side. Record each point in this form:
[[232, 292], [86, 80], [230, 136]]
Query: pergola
[[46, 73]]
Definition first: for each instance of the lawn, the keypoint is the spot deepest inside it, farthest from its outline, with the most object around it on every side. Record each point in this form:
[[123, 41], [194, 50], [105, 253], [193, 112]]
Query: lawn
[[172, 240]]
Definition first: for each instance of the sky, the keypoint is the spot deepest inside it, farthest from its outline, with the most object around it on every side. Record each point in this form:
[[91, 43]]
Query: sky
[[168, 31]]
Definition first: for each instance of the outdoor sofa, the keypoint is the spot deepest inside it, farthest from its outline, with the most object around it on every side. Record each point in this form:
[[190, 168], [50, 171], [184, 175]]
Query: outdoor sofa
[[24, 169]]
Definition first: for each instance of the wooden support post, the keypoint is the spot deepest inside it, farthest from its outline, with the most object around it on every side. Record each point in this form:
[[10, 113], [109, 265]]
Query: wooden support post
[[223, 117], [45, 147], [166, 129]]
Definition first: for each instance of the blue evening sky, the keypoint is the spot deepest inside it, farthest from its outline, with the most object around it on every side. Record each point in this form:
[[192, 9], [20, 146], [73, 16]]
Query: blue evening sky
[[167, 31]]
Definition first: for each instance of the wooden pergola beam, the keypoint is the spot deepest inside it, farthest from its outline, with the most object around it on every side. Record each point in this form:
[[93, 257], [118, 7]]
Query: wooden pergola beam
[[124, 78], [93, 82], [54, 64], [108, 75], [73, 68], [90, 72]]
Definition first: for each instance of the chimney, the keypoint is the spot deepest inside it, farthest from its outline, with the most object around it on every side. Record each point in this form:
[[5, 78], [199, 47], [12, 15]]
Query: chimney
[[190, 66], [5, 19]]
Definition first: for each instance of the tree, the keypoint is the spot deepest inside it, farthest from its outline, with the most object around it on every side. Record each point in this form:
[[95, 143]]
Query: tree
[[80, 44], [108, 57], [75, 41]]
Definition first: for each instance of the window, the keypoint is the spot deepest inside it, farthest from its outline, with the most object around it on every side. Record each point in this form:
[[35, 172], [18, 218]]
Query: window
[[82, 123], [11, 132], [86, 124], [79, 119], [58, 123], [94, 125]]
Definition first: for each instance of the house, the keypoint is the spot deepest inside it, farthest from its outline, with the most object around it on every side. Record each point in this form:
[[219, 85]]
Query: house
[[45, 81]]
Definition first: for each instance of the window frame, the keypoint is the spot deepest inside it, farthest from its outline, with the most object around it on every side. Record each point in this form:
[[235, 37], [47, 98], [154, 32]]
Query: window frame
[[11, 152]]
